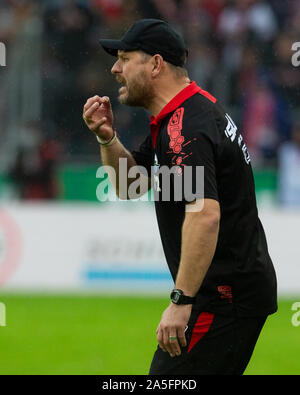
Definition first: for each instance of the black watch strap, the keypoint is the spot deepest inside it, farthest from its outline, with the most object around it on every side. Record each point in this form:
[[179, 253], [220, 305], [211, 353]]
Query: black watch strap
[[177, 296]]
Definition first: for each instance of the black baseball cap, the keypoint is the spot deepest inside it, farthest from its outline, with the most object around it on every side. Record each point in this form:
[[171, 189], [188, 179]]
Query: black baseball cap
[[153, 36]]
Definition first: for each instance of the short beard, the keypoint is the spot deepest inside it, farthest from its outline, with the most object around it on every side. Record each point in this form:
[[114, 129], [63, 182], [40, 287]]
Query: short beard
[[139, 94]]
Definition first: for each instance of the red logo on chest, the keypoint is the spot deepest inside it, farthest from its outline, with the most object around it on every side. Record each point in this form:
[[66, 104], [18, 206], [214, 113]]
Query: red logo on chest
[[174, 131]]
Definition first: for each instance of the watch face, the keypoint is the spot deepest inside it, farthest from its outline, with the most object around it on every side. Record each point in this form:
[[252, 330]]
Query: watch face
[[176, 296]]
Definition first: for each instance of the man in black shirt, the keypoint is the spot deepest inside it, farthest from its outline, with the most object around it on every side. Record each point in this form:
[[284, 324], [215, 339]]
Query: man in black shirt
[[214, 243]]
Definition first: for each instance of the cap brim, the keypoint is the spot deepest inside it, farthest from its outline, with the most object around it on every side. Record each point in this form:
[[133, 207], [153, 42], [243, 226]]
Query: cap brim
[[113, 46]]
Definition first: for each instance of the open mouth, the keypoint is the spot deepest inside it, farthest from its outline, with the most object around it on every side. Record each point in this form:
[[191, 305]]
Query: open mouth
[[123, 88], [120, 81]]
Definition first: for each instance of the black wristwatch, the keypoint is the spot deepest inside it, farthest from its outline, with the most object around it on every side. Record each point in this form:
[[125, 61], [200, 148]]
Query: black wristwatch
[[177, 296]]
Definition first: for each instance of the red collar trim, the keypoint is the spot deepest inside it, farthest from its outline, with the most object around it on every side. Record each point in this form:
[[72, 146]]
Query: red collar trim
[[181, 97]]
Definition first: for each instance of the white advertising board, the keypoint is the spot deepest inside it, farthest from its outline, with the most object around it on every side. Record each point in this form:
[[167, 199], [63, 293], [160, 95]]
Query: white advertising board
[[113, 247], [105, 247]]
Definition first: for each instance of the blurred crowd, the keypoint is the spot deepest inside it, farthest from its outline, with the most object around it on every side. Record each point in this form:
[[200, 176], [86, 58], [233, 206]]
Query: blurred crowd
[[239, 50]]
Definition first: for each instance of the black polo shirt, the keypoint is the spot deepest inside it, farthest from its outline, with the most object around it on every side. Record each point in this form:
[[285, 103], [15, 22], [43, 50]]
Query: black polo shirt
[[193, 131]]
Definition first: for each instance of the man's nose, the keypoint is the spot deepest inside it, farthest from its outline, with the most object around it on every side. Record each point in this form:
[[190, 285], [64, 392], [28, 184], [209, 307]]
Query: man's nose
[[116, 68]]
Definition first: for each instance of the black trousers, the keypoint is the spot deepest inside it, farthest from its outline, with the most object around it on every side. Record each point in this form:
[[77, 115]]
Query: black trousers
[[216, 345]]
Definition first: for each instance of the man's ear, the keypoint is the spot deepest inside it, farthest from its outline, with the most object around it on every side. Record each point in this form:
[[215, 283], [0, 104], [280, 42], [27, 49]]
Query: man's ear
[[157, 65]]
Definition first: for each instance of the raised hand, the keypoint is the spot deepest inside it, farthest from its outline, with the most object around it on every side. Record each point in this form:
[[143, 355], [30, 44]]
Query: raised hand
[[98, 116]]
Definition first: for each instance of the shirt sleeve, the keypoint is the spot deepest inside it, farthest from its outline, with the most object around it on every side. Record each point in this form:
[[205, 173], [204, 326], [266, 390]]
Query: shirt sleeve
[[197, 159], [144, 154]]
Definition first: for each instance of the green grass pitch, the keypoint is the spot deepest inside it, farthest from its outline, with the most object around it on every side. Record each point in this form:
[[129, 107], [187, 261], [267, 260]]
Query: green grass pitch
[[115, 335]]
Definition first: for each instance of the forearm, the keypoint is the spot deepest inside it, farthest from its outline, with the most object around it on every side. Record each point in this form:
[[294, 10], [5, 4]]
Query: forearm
[[118, 161], [113, 153], [199, 240]]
